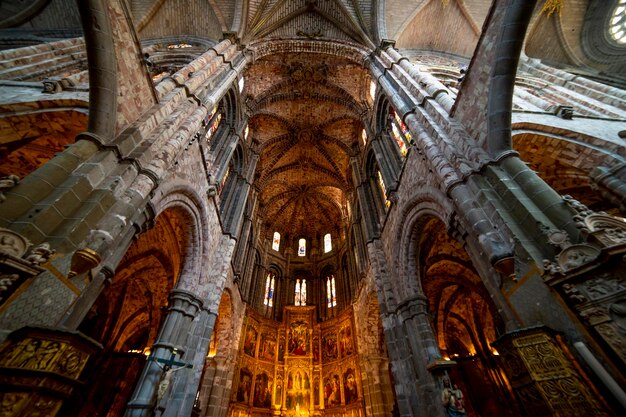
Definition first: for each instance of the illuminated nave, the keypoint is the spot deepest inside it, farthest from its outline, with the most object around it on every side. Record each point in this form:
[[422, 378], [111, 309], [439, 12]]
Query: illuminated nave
[[312, 208]]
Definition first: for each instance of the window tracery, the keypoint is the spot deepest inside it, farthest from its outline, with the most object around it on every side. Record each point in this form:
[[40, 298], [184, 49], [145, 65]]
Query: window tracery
[[212, 120], [302, 247], [300, 294], [331, 294], [617, 25], [400, 132]]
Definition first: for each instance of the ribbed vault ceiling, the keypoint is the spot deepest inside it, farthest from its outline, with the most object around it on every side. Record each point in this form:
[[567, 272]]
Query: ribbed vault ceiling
[[304, 114]]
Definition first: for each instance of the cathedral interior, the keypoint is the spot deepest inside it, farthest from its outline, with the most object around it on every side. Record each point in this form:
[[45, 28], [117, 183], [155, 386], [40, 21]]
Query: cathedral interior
[[339, 208]]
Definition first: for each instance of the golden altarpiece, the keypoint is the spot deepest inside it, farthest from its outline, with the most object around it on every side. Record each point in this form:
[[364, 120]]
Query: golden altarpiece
[[298, 367]]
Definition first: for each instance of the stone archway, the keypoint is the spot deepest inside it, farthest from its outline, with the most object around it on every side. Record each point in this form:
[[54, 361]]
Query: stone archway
[[127, 315], [464, 319]]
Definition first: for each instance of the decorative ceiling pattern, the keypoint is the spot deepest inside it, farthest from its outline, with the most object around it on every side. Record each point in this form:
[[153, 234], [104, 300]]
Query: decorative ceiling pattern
[[312, 19], [305, 121]]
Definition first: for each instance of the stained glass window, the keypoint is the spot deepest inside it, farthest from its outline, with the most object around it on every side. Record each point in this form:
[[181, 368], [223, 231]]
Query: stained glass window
[[329, 297], [268, 299], [302, 247], [276, 241], [381, 184], [328, 244], [617, 25], [179, 46], [300, 296], [364, 137], [214, 120], [399, 132], [224, 178], [331, 294]]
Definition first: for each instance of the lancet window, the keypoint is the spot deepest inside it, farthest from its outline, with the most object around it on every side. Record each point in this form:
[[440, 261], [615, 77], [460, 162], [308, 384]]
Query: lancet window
[[276, 241], [331, 293], [270, 281], [300, 295]]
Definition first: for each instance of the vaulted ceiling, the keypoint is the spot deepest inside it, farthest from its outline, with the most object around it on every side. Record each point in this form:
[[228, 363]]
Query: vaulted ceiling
[[305, 120]]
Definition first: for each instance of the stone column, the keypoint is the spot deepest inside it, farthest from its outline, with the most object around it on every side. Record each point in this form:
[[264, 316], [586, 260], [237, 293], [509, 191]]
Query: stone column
[[547, 201], [218, 380], [182, 397], [183, 308], [423, 353], [611, 183]]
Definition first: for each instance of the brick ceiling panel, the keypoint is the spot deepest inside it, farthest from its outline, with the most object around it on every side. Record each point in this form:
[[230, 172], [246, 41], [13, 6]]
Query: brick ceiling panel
[[304, 116]]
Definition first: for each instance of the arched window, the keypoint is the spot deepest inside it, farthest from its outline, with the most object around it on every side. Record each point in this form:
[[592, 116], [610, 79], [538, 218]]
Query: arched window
[[179, 46], [276, 241], [241, 83], [331, 294], [302, 247], [270, 281], [212, 120], [617, 24], [225, 178], [383, 189], [300, 295], [328, 244], [399, 132], [364, 137]]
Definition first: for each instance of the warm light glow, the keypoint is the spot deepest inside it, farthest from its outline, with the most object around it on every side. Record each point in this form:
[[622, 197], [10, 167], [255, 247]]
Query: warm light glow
[[246, 132], [302, 247], [364, 137], [373, 90], [179, 46], [381, 184], [495, 352], [145, 351], [276, 241]]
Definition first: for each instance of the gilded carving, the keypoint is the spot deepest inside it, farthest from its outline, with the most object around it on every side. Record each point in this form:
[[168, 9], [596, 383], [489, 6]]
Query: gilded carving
[[267, 348], [332, 391], [249, 343], [263, 386], [291, 372], [298, 338], [11, 403], [33, 359], [543, 378], [245, 386], [329, 347]]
